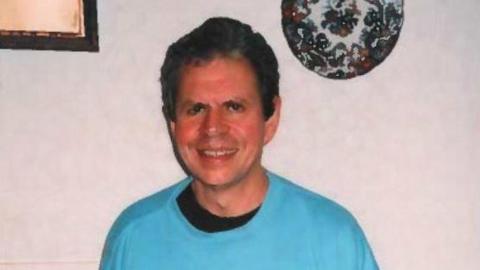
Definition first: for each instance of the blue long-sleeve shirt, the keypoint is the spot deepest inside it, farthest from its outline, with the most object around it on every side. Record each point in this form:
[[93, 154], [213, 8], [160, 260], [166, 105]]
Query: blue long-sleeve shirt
[[294, 229]]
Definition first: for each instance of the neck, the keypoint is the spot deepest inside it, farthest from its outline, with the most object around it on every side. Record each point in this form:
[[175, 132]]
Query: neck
[[234, 199]]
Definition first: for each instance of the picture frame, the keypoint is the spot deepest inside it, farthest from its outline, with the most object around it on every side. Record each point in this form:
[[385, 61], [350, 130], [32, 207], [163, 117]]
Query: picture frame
[[49, 25]]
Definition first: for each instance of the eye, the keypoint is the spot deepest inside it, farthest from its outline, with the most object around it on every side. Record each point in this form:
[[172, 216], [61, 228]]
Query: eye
[[196, 109], [234, 106]]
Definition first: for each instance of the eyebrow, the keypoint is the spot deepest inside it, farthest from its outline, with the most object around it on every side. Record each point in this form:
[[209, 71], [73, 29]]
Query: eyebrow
[[236, 100], [188, 103]]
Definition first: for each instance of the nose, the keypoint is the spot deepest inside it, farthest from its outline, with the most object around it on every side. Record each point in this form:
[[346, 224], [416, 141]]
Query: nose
[[214, 122]]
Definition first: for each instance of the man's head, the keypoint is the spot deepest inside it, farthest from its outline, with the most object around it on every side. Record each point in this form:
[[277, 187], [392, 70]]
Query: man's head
[[220, 93], [220, 37]]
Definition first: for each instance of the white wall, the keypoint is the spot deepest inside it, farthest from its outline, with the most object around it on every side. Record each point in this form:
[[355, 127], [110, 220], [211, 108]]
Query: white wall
[[81, 134]]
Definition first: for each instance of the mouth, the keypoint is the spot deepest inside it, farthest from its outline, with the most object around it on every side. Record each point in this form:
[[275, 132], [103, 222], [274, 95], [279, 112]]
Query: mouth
[[222, 153]]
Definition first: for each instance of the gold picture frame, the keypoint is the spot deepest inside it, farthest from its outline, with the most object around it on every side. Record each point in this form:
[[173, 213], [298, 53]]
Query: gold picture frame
[[49, 25]]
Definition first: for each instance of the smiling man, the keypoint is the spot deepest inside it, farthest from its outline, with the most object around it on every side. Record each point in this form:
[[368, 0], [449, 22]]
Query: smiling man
[[222, 106]]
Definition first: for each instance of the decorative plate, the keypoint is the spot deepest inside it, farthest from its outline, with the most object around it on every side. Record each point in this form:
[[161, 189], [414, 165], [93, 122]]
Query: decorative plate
[[341, 39]]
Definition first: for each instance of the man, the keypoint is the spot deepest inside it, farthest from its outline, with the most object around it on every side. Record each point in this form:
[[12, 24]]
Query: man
[[222, 105]]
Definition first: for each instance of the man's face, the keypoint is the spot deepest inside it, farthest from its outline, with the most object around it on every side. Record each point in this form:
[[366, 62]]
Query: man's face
[[220, 129]]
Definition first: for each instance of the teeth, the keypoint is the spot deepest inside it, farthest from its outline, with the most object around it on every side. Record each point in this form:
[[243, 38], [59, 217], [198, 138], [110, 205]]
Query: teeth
[[219, 153]]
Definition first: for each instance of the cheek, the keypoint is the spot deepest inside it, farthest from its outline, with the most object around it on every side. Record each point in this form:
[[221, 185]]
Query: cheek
[[185, 134], [250, 132]]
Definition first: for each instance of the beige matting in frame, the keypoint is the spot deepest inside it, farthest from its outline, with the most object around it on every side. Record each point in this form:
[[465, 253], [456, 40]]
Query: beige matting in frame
[[59, 16]]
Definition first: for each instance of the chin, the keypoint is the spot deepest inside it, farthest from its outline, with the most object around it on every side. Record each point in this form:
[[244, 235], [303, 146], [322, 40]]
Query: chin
[[216, 179]]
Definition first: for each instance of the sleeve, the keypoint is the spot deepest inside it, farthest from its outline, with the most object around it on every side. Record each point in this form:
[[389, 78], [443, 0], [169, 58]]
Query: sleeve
[[353, 250], [115, 250]]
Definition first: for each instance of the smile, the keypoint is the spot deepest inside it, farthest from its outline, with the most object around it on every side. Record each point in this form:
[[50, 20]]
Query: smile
[[212, 153]]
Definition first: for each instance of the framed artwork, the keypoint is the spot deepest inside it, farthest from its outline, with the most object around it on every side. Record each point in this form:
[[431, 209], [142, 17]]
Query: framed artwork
[[49, 25]]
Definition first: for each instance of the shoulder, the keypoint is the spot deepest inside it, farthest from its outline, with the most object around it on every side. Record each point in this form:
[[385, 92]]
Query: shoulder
[[138, 215], [330, 228], [317, 208], [140, 211]]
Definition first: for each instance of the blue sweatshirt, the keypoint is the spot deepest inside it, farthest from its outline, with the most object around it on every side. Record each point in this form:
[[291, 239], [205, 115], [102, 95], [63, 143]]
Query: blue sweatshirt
[[294, 229]]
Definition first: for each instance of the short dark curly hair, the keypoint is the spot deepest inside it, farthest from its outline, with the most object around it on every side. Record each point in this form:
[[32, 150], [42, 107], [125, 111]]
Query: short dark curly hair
[[220, 37]]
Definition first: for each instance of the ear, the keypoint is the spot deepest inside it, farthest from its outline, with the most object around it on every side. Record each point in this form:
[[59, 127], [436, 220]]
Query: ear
[[169, 121], [271, 124], [171, 128]]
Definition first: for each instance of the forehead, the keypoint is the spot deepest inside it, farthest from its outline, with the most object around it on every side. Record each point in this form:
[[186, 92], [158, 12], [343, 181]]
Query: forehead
[[221, 76]]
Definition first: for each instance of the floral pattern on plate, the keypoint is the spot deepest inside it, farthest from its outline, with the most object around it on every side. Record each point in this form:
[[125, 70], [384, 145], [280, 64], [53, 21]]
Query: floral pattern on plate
[[341, 39]]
